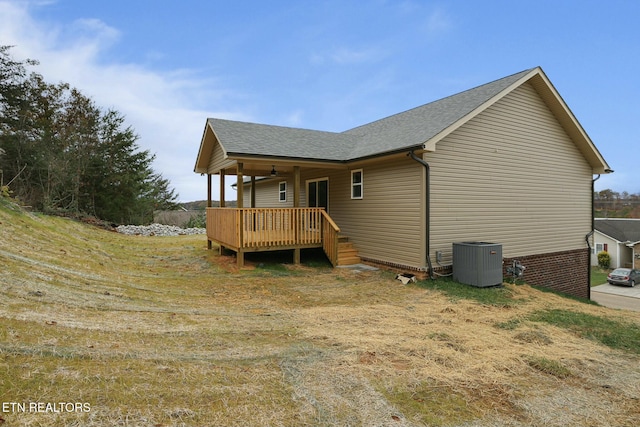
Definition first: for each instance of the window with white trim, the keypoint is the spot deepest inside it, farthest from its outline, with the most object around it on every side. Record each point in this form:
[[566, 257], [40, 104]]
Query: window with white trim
[[282, 191], [356, 184]]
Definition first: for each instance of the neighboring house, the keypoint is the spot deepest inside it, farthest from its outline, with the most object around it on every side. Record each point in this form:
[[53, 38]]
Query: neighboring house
[[620, 237], [506, 162]]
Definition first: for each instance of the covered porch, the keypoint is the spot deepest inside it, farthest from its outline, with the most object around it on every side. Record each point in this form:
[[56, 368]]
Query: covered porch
[[252, 229], [296, 224]]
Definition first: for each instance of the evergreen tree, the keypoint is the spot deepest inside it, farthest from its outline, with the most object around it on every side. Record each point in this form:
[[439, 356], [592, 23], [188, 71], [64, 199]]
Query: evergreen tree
[[64, 154]]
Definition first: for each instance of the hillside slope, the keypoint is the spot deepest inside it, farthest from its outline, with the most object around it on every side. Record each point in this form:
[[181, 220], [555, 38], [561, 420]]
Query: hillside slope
[[157, 331]]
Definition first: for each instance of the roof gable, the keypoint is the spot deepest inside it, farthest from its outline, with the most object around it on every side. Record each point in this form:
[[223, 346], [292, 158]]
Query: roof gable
[[415, 129]]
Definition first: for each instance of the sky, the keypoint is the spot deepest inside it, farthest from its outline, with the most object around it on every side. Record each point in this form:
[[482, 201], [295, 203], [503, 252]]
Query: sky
[[168, 65]]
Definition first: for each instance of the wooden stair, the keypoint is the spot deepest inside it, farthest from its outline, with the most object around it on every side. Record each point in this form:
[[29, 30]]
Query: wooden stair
[[347, 253]]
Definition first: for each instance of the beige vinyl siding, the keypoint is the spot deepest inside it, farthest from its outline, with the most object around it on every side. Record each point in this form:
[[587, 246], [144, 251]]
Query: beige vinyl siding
[[217, 160], [511, 176], [268, 192], [387, 224]]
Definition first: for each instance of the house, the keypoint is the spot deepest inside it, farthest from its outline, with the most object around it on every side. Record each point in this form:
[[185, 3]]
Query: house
[[506, 162], [620, 237]]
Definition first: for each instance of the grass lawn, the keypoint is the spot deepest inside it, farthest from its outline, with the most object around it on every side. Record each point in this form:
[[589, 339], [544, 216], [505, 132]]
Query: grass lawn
[[598, 276], [158, 331]]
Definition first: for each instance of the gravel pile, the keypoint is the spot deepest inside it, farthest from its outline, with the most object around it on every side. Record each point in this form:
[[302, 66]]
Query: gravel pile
[[158, 230]]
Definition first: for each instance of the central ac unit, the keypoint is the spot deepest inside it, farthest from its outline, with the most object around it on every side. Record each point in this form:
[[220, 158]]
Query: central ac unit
[[477, 263]]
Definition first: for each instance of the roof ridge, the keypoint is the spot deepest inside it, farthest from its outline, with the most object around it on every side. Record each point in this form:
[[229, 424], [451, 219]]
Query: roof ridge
[[272, 126], [413, 128], [523, 72]]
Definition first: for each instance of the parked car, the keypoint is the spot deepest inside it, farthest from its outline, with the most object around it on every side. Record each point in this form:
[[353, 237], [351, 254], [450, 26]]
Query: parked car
[[624, 276]]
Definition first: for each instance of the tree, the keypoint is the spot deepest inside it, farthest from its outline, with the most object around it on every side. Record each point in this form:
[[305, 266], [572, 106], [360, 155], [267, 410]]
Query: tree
[[69, 156], [13, 114], [611, 204]]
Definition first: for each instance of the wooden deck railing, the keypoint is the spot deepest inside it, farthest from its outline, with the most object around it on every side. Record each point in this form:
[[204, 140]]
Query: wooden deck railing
[[330, 233], [223, 227], [256, 228]]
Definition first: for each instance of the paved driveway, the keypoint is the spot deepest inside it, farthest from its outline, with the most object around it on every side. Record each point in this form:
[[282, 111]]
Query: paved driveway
[[615, 296]]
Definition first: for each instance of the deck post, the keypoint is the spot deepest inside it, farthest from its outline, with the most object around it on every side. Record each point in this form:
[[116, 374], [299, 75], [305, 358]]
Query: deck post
[[296, 204], [209, 245], [222, 203], [240, 260], [240, 201]]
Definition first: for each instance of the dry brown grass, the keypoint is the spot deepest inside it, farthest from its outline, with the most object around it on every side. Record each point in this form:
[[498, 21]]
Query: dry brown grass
[[161, 332]]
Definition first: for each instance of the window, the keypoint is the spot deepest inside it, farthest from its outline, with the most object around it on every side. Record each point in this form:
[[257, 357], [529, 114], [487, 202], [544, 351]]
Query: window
[[282, 191], [356, 184], [599, 248]]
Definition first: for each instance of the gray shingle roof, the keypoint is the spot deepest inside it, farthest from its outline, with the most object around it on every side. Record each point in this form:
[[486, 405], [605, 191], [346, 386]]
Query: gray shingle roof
[[417, 126], [623, 230], [403, 131], [255, 139]]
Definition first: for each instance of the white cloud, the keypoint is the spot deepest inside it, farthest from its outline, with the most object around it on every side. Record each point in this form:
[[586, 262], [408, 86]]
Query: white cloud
[[346, 56], [351, 56], [294, 118], [437, 22], [91, 35], [160, 107]]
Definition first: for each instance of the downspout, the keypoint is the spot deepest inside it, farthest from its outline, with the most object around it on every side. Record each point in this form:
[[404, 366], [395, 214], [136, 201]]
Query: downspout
[[427, 208], [589, 234]]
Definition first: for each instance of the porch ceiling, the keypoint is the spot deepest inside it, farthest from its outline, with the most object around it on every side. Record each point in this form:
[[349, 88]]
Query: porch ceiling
[[261, 167]]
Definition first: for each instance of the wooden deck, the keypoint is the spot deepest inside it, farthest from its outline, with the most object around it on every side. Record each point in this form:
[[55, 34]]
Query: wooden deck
[[269, 229]]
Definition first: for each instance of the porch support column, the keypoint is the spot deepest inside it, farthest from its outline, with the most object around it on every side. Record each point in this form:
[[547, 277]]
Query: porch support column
[[222, 175], [222, 203], [296, 186], [296, 204], [240, 188], [253, 191], [208, 205]]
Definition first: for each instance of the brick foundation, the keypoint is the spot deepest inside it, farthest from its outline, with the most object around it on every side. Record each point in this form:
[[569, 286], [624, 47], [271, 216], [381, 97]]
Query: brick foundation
[[565, 272]]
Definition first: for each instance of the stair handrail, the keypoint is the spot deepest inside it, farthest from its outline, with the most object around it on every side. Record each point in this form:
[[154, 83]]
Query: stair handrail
[[330, 221], [330, 232]]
